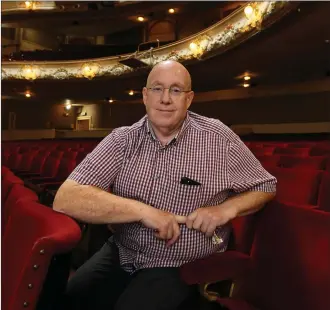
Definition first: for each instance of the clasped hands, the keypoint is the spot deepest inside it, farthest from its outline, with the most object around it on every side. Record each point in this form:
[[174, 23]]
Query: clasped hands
[[206, 220]]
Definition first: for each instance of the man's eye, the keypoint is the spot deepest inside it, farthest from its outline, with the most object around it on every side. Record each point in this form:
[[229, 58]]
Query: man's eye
[[157, 89], [176, 90]]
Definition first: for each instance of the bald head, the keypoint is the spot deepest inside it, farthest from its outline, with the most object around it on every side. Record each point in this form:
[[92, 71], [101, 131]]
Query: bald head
[[173, 67]]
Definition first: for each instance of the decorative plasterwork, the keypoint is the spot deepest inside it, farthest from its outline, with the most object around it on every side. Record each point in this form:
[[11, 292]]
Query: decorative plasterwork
[[10, 7], [223, 35]]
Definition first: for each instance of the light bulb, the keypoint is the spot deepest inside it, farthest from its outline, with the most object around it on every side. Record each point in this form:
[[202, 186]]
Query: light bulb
[[248, 11], [193, 46]]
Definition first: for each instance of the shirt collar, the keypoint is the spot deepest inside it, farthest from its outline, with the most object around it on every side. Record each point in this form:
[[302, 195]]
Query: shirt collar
[[177, 137]]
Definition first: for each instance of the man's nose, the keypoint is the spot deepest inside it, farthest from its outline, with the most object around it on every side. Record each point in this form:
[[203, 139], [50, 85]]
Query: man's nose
[[166, 98]]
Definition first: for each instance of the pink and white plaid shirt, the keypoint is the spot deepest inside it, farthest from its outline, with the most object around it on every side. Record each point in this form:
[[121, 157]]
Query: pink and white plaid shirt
[[132, 163]]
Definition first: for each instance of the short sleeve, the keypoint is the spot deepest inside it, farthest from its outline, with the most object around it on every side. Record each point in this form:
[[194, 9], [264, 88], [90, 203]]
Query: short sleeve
[[101, 166], [246, 172]]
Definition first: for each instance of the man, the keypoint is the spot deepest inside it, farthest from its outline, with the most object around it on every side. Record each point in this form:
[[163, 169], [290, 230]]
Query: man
[[166, 185]]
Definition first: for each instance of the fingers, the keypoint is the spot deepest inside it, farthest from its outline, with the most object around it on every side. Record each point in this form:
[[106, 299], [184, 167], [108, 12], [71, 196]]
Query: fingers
[[180, 219], [170, 231], [190, 220], [199, 220], [176, 235], [210, 230]]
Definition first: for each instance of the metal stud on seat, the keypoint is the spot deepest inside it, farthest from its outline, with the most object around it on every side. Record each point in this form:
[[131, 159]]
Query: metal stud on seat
[[30, 285], [25, 304], [42, 252], [35, 267]]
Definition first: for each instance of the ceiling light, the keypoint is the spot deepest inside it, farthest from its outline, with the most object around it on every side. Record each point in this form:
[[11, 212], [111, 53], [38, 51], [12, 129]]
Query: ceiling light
[[68, 106], [247, 77], [246, 85], [171, 11], [140, 18], [131, 92], [248, 11], [27, 94], [111, 100]]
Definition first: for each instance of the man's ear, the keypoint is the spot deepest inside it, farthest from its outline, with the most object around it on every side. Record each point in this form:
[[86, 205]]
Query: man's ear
[[190, 98], [145, 95]]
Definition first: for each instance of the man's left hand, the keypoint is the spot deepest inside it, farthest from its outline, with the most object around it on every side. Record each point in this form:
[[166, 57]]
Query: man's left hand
[[207, 219]]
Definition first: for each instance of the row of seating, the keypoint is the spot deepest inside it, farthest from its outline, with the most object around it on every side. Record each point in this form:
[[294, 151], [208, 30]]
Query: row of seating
[[36, 247], [300, 191]]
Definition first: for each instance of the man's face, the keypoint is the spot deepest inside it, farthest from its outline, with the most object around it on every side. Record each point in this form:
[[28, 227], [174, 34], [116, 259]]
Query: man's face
[[165, 102]]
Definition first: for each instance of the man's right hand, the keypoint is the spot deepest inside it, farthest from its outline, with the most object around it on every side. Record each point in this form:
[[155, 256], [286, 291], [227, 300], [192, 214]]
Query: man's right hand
[[165, 224]]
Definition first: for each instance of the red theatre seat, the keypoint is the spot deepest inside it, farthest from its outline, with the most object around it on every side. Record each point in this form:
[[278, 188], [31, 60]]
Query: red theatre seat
[[17, 193], [291, 255], [303, 152], [324, 193], [42, 233], [295, 186], [6, 184], [305, 163], [289, 263]]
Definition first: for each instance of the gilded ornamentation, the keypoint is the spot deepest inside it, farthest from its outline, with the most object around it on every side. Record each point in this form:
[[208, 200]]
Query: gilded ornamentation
[[219, 37], [30, 72]]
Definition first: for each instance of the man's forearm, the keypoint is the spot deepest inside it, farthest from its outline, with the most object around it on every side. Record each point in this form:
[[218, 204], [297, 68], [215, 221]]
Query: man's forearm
[[247, 203], [92, 205]]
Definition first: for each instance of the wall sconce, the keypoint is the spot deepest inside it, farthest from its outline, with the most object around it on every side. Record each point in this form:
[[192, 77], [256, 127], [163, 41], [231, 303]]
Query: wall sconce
[[249, 11], [253, 15], [30, 5], [198, 46], [30, 72], [90, 70]]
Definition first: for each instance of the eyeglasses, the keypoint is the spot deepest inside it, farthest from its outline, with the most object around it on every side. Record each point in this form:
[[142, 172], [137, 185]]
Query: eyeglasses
[[173, 90]]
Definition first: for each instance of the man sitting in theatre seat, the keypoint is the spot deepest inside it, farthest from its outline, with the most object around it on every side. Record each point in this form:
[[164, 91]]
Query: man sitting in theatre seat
[[166, 185]]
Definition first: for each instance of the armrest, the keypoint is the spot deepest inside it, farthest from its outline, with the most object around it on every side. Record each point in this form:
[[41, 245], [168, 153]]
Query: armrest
[[235, 304], [215, 268]]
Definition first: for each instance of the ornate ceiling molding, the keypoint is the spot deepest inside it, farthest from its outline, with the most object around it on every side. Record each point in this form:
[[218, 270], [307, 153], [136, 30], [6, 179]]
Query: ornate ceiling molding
[[234, 29]]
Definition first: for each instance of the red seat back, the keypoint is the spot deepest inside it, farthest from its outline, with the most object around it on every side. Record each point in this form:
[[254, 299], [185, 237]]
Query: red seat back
[[18, 192], [303, 152], [290, 255], [324, 193], [7, 182], [305, 163], [27, 159], [297, 186], [46, 233]]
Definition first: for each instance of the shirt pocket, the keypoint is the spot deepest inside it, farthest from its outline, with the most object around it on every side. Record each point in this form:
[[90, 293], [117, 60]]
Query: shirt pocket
[[186, 197]]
